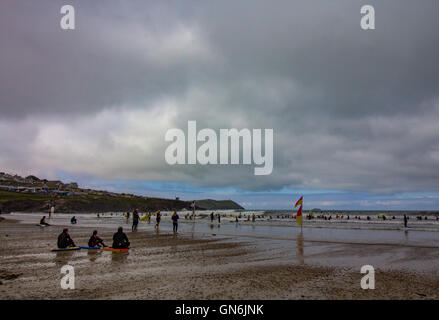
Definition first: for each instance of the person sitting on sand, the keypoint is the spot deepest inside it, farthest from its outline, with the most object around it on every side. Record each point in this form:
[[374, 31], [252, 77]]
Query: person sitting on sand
[[73, 220], [120, 239], [95, 241], [64, 240], [43, 221]]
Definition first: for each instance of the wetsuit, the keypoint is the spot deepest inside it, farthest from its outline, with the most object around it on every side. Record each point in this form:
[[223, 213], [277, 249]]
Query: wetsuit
[[175, 222], [120, 241], [135, 221], [42, 222], [65, 241], [95, 241]]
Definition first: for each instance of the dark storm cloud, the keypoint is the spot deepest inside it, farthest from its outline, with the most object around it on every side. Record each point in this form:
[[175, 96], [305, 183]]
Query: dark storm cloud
[[351, 109]]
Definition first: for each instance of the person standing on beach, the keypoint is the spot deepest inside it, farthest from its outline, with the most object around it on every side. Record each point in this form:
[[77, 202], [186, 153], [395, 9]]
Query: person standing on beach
[[135, 220], [175, 218], [405, 221], [157, 219], [211, 217]]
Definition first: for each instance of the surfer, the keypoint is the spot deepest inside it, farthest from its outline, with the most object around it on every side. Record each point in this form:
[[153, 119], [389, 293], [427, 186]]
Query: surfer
[[219, 218], [43, 221], [73, 220], [95, 241], [135, 220], [120, 239], [157, 219], [175, 218], [64, 240], [405, 221], [211, 217]]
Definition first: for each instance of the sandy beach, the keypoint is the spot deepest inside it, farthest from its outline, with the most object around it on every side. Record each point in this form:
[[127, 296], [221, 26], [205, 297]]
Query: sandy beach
[[209, 265]]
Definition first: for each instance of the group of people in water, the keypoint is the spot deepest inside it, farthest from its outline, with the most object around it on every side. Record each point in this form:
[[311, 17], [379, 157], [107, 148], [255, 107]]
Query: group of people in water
[[158, 217], [120, 240]]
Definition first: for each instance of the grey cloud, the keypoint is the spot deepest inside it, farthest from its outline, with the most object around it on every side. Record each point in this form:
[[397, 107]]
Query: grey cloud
[[351, 109]]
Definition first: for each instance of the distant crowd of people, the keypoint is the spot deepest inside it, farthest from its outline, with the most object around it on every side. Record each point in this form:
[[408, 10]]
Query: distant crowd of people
[[120, 239]]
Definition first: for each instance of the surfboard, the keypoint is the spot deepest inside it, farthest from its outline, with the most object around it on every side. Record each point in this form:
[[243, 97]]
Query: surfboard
[[116, 250], [90, 248], [65, 249], [144, 217], [41, 225]]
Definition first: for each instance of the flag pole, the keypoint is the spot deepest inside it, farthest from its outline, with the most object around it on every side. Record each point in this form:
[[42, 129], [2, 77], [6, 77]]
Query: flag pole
[[299, 212]]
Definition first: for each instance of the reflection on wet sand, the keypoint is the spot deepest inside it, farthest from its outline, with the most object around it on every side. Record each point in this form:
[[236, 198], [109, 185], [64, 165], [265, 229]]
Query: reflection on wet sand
[[119, 257], [63, 257], [93, 254], [300, 248]]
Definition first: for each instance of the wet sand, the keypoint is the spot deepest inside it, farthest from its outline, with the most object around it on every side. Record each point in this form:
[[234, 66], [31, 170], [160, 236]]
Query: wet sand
[[207, 266]]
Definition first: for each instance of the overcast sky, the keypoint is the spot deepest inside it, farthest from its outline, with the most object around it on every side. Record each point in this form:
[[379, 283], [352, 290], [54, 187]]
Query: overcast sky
[[355, 113]]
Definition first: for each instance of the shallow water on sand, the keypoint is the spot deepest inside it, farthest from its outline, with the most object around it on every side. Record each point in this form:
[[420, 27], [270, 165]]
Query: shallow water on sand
[[426, 235]]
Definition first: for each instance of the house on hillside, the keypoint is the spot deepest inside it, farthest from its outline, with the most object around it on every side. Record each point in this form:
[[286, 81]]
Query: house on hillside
[[32, 179], [71, 186]]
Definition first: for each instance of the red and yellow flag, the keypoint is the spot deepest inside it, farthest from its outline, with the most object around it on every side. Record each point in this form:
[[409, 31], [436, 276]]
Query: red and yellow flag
[[299, 212], [299, 202]]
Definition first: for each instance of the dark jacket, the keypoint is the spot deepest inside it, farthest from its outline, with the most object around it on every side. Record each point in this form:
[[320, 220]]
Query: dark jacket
[[120, 240], [65, 241], [95, 241]]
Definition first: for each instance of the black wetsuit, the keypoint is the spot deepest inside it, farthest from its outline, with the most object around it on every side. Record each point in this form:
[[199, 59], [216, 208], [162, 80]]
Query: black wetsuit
[[95, 241], [43, 223], [135, 221], [175, 222], [120, 240], [65, 241]]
